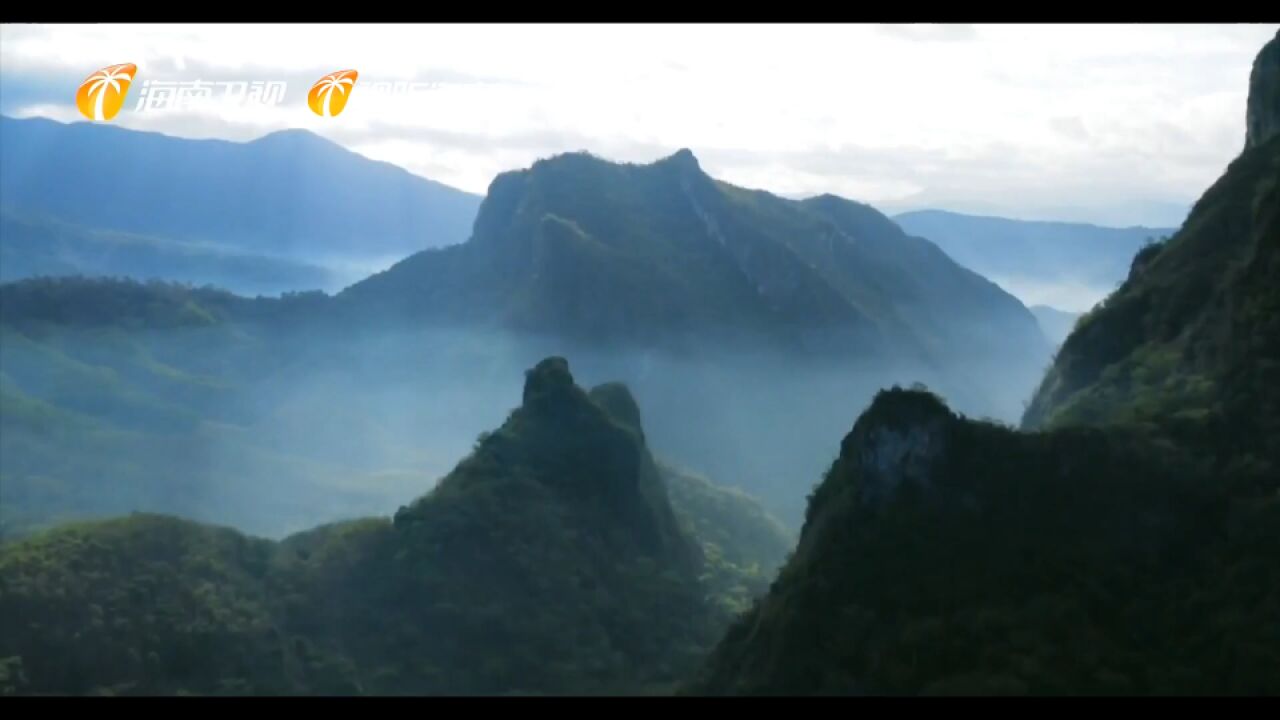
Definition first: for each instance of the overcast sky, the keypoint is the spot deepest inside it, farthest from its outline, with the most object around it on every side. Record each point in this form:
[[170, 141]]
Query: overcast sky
[[1115, 124]]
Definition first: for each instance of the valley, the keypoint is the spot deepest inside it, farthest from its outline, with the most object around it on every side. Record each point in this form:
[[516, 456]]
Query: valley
[[280, 419]]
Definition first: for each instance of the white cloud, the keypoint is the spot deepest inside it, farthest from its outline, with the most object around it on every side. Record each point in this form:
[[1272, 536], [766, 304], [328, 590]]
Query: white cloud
[[1107, 123]]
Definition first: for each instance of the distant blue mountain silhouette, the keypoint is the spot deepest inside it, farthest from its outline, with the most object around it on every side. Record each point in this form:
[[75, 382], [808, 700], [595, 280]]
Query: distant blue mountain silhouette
[[289, 194]]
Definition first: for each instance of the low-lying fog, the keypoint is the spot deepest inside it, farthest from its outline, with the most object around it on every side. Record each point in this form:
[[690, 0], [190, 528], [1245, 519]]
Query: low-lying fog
[[273, 433]]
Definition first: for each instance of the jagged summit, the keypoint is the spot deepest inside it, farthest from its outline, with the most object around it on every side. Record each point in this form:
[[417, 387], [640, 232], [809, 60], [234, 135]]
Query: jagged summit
[[549, 379], [898, 407], [897, 441], [586, 455]]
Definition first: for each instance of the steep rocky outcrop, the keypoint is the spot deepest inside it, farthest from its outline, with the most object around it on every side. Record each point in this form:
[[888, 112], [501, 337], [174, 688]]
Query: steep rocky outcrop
[[1263, 114]]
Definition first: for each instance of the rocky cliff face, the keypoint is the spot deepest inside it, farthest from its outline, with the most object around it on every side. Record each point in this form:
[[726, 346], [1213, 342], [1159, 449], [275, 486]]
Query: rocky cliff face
[[899, 446], [1263, 118]]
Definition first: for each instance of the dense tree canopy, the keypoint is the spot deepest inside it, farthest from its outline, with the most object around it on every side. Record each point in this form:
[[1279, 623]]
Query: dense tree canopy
[[550, 560]]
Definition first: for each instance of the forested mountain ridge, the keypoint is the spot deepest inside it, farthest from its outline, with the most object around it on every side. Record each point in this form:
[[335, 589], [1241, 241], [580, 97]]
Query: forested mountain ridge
[[549, 561], [946, 556]]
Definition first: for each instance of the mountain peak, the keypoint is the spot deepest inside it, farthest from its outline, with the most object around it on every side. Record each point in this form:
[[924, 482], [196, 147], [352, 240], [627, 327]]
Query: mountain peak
[[291, 136], [1263, 114], [550, 378], [683, 158], [589, 452], [897, 439], [904, 407]]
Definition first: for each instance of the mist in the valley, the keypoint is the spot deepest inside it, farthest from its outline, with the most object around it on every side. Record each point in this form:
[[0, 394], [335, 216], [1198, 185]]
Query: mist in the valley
[[1066, 294], [289, 428], [267, 275]]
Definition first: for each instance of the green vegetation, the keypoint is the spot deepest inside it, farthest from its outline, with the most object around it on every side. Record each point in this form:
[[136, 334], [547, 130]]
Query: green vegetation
[[118, 395], [947, 556], [144, 604], [550, 560], [743, 547], [1187, 346], [1123, 543], [36, 246], [663, 255]]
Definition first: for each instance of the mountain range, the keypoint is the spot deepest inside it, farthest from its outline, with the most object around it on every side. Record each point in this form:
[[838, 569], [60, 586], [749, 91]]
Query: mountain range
[[740, 319], [1121, 541], [263, 216], [291, 199], [662, 255], [1069, 266]]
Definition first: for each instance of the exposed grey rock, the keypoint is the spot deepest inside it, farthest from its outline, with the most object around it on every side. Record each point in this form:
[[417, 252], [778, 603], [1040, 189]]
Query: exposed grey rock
[[892, 455]]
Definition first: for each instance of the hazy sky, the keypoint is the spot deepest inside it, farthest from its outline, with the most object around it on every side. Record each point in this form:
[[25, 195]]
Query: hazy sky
[[1114, 124]]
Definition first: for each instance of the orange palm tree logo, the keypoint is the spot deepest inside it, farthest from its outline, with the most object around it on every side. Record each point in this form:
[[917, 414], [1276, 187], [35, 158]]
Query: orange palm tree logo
[[101, 95], [329, 95]]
